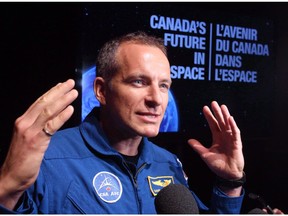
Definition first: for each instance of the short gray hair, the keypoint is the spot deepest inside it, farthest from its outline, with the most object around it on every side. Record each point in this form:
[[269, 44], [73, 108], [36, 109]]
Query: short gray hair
[[106, 62]]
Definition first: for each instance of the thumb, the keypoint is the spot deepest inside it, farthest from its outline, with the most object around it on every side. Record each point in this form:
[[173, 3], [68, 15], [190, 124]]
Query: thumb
[[197, 146]]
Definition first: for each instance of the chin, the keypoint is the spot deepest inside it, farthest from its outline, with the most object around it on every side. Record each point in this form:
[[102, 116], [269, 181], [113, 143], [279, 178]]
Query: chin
[[150, 133]]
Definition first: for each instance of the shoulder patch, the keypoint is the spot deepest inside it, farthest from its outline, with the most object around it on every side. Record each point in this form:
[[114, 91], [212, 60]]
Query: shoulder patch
[[159, 182]]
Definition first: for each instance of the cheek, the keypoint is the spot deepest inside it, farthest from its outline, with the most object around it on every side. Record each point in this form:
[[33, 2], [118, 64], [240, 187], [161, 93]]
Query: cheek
[[165, 101], [129, 98], [122, 103]]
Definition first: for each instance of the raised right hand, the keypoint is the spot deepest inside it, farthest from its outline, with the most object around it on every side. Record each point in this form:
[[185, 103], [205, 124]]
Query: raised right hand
[[29, 143]]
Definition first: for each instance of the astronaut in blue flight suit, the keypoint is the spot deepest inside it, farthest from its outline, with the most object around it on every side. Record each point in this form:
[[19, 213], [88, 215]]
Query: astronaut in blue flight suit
[[106, 164]]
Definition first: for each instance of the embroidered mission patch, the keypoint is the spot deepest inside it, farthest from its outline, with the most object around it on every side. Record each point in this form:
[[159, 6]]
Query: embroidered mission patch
[[159, 182], [107, 186]]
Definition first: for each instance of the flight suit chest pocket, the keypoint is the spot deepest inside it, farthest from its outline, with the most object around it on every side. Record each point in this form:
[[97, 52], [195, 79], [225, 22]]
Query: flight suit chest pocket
[[80, 201]]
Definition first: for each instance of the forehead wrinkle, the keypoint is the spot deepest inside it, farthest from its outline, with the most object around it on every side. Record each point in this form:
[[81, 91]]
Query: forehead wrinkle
[[123, 55]]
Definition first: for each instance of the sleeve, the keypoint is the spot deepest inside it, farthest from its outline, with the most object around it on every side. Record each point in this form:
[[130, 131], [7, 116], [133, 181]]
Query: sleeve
[[223, 204], [220, 202], [32, 200], [24, 206]]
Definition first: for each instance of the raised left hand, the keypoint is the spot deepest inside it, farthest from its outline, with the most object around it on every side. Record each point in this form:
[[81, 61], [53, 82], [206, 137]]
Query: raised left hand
[[224, 157]]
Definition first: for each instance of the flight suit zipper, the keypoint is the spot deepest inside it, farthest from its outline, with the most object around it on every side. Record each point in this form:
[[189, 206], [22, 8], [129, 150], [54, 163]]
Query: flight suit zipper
[[135, 183]]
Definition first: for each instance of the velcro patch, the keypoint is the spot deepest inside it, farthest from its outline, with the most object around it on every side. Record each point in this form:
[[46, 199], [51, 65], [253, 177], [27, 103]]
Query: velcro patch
[[159, 182]]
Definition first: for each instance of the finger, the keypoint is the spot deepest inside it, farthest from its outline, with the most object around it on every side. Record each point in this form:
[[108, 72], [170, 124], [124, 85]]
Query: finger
[[277, 211], [53, 125], [198, 147], [234, 128], [219, 115], [212, 121], [226, 116], [55, 114]]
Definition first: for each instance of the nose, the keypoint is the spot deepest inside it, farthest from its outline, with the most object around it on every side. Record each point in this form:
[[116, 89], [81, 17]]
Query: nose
[[154, 96]]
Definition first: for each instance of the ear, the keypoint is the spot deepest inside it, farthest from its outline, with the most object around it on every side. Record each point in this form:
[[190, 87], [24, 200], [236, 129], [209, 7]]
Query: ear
[[99, 90]]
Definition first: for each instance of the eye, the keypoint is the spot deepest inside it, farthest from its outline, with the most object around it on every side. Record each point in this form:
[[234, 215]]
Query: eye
[[164, 86], [138, 82]]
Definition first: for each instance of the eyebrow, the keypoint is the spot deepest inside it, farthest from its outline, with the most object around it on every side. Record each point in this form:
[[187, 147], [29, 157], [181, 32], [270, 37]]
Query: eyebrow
[[144, 76]]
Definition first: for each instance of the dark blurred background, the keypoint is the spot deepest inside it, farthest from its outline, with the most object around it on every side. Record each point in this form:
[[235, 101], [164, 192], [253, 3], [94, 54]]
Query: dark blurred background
[[40, 46]]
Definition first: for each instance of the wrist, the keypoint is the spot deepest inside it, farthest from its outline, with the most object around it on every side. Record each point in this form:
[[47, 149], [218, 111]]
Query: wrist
[[9, 196], [231, 192], [230, 184]]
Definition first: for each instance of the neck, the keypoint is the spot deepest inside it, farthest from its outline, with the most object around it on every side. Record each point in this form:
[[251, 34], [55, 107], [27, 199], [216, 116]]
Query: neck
[[127, 147], [120, 142]]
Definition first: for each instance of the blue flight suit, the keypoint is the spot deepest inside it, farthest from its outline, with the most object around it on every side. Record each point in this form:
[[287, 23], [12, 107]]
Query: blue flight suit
[[81, 173]]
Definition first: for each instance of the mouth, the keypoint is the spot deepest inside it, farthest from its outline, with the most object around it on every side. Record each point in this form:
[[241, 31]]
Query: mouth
[[149, 117]]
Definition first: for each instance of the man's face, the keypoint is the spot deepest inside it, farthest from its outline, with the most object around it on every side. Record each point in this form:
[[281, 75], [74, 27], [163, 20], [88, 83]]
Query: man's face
[[137, 95]]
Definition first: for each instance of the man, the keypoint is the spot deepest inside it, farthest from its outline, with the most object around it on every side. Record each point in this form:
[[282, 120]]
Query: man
[[107, 165]]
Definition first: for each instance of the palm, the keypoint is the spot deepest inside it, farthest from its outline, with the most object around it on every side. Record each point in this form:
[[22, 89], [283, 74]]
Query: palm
[[224, 157]]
